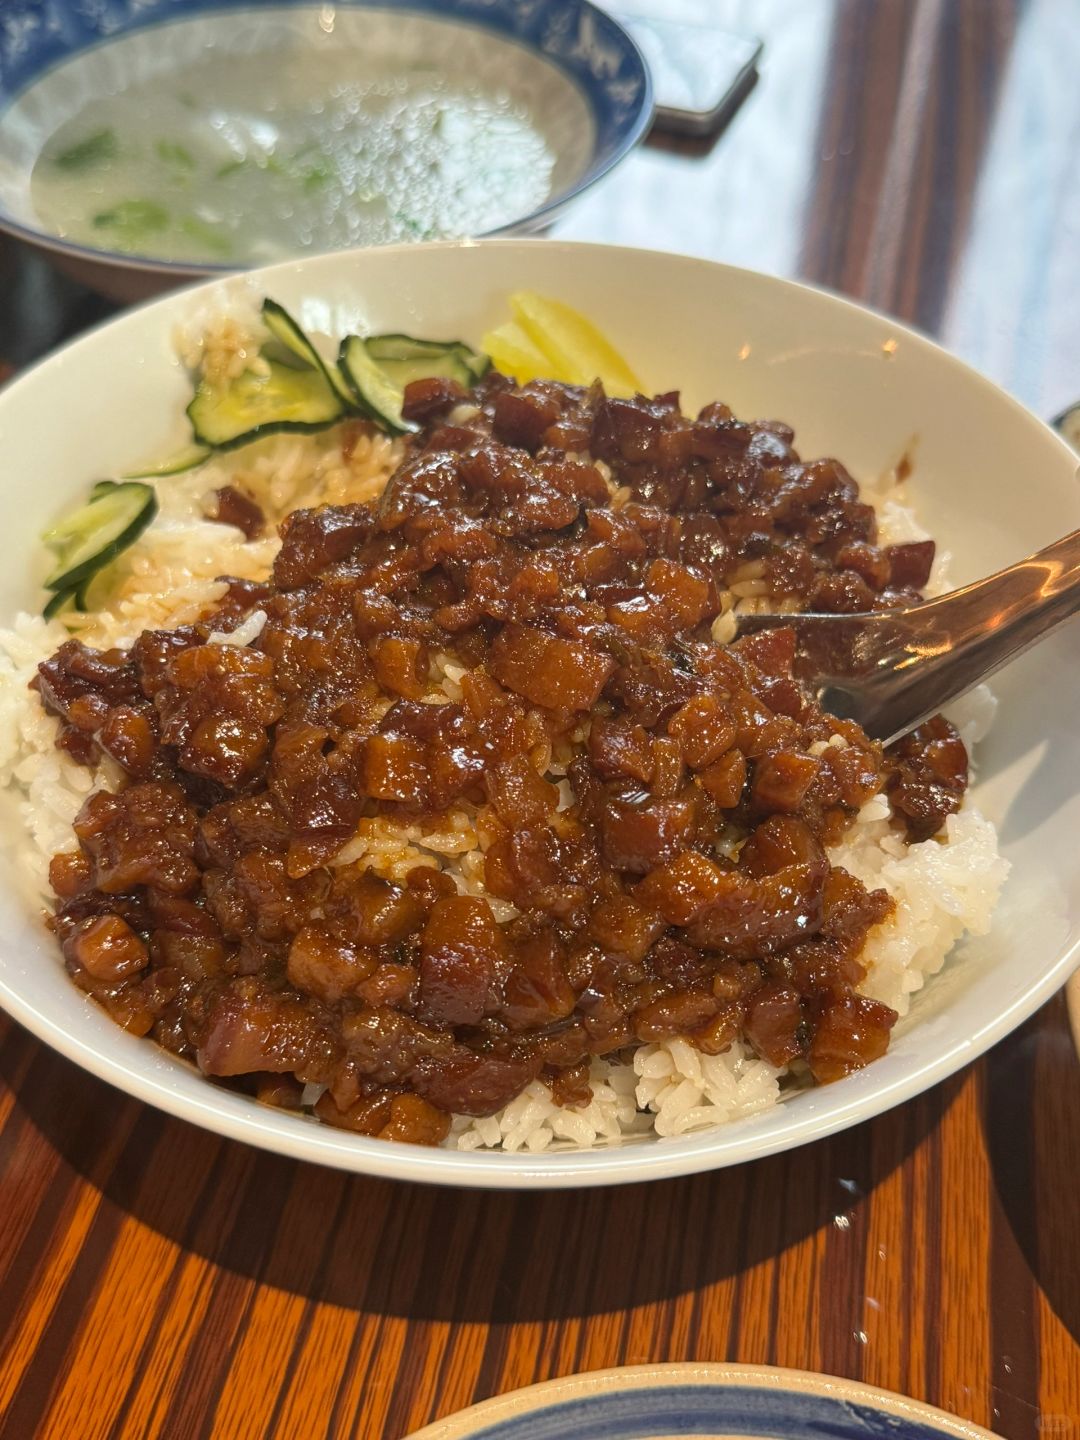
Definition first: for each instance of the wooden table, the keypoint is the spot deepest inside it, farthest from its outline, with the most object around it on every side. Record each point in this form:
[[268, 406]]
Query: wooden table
[[157, 1281]]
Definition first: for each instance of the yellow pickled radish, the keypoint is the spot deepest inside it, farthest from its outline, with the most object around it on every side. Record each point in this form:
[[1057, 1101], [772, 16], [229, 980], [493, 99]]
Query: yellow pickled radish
[[515, 355], [578, 353]]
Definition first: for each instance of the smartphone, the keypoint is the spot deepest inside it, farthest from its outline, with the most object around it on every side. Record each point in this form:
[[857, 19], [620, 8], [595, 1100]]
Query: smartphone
[[701, 75]]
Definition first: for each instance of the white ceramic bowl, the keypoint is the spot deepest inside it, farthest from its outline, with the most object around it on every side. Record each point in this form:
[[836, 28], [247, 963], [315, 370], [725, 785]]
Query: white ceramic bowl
[[991, 482]]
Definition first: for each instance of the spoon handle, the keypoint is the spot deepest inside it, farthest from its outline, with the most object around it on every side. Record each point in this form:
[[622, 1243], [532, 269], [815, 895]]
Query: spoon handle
[[890, 670], [943, 647], [1003, 614]]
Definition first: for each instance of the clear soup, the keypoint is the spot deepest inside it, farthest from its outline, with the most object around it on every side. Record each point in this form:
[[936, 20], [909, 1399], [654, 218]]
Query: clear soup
[[244, 159]]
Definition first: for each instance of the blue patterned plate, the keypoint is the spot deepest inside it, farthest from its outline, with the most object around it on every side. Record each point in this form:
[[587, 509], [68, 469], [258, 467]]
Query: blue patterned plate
[[712, 1402], [570, 70]]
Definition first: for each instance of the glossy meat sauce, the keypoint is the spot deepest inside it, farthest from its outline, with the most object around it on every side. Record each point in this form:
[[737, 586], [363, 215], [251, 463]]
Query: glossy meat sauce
[[654, 805]]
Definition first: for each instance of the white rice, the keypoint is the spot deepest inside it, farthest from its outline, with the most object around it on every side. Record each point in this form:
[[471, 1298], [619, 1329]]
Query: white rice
[[941, 890], [942, 887], [48, 787], [221, 343], [169, 576]]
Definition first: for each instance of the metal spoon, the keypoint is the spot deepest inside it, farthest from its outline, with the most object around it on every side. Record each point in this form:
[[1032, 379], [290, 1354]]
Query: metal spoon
[[891, 669]]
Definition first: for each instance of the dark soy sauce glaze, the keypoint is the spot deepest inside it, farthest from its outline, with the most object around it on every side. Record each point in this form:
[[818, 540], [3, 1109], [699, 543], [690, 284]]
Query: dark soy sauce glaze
[[684, 890]]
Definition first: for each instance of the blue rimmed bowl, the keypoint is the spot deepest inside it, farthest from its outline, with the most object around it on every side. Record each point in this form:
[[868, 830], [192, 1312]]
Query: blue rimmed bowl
[[712, 1402], [574, 70]]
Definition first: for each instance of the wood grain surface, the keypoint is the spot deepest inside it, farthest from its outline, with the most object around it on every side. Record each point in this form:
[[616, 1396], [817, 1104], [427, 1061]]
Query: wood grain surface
[[158, 1281]]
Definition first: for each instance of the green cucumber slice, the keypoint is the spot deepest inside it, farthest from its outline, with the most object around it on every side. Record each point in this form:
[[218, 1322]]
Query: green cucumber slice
[[395, 345], [254, 405], [296, 345], [88, 538], [477, 363], [80, 595], [287, 332], [93, 592], [444, 367], [189, 458], [405, 358], [59, 602], [379, 395]]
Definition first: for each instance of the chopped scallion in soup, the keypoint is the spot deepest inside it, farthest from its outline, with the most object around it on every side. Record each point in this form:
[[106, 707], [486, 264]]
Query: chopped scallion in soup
[[241, 159]]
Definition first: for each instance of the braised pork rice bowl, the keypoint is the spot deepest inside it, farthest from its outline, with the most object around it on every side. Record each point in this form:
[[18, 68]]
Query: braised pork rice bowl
[[418, 782]]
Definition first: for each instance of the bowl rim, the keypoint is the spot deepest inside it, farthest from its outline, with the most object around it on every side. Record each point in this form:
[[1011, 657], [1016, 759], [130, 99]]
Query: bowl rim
[[239, 1117], [543, 1399], [444, 10]]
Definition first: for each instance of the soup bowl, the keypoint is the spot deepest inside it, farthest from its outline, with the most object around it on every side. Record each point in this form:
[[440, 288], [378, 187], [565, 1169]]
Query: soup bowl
[[198, 175]]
